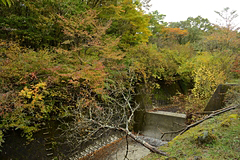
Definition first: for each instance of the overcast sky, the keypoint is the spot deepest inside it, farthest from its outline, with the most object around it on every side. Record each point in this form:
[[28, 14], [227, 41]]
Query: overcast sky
[[179, 10]]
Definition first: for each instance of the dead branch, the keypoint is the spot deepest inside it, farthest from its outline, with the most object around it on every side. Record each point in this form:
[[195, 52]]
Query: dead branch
[[204, 112], [171, 132], [208, 117], [160, 130], [147, 145], [183, 125]]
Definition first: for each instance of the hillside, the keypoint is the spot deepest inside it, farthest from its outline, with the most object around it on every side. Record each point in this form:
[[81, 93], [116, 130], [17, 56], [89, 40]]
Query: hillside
[[216, 138]]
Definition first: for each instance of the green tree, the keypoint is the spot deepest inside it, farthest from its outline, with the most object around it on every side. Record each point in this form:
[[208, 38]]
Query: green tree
[[128, 22], [156, 25], [34, 23], [156, 22], [196, 28]]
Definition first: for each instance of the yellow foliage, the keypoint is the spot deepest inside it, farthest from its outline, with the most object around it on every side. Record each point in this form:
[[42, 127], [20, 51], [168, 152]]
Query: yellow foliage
[[36, 94], [206, 81]]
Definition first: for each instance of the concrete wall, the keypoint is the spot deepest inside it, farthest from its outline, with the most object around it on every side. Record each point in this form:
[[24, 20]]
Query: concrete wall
[[217, 100], [157, 122]]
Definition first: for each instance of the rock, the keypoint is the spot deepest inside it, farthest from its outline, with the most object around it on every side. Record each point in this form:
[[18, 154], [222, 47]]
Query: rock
[[153, 141], [205, 137], [197, 158]]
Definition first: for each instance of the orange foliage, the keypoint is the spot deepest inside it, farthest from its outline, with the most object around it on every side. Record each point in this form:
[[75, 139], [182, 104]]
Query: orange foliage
[[175, 31], [173, 35], [236, 65]]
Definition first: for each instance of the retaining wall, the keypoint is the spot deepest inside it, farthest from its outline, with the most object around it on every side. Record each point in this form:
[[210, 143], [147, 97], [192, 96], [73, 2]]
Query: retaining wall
[[155, 123]]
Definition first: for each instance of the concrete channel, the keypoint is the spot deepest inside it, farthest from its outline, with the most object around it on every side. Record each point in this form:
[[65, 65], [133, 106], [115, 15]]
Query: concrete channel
[[154, 124]]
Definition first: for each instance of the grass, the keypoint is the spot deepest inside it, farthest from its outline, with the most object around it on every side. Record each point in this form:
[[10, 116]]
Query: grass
[[216, 138], [234, 81]]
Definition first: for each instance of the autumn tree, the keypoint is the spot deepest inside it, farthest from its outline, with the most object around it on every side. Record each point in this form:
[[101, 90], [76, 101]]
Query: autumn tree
[[228, 27], [37, 80], [225, 35], [101, 3]]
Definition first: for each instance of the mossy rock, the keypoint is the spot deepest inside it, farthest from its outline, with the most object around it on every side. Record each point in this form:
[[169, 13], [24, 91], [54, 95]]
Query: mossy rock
[[204, 137]]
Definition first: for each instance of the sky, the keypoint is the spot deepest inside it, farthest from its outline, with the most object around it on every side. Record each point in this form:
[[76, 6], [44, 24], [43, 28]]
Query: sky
[[180, 10]]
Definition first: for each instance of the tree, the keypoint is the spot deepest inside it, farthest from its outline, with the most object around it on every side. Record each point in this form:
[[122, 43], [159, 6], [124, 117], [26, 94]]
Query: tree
[[156, 22], [103, 93], [196, 28], [129, 22], [101, 3], [225, 35], [227, 18], [198, 22], [33, 24], [36, 81], [145, 4]]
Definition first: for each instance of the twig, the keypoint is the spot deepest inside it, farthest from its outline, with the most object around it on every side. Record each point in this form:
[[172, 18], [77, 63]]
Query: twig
[[171, 132], [205, 112], [183, 125], [160, 130], [127, 147]]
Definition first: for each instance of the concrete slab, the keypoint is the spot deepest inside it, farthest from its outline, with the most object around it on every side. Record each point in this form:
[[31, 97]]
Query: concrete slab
[[180, 115]]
